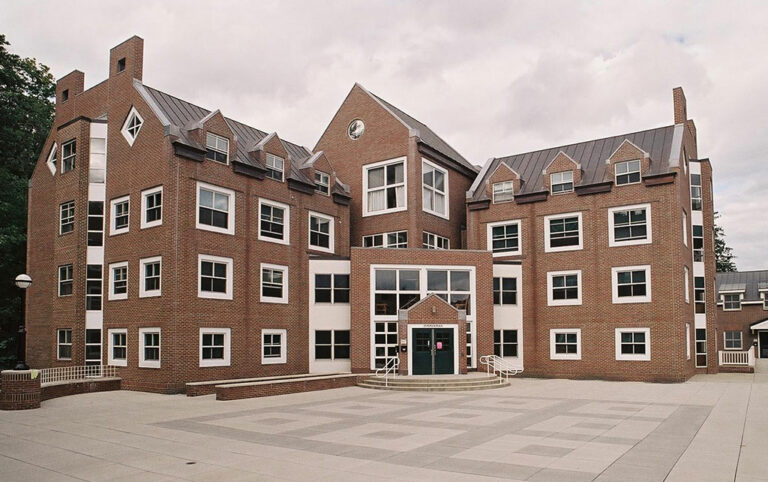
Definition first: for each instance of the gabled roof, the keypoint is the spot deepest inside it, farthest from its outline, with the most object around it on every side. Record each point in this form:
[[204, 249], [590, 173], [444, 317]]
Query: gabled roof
[[751, 281], [591, 155]]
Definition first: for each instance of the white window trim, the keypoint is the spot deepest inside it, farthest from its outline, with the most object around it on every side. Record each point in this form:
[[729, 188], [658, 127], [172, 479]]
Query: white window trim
[[445, 193], [142, 274], [122, 296], [632, 242], [282, 171], [374, 165], [493, 192], [149, 363], [685, 228], [124, 129], [553, 302], [60, 344], [688, 341], [687, 281], [564, 356], [150, 224], [72, 280], [631, 299], [722, 299], [323, 173], [331, 230], [110, 360], [286, 222], [216, 149], [741, 340], [644, 357], [435, 238], [48, 162], [615, 175], [230, 275], [552, 183], [283, 347], [489, 238], [231, 208], [113, 231], [763, 298], [272, 299], [227, 332], [550, 249]]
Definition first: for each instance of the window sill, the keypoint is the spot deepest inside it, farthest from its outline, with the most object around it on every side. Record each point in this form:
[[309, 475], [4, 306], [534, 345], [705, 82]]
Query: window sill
[[267, 239], [280, 301], [150, 294], [214, 229], [214, 296], [548, 249], [384, 211], [276, 361]]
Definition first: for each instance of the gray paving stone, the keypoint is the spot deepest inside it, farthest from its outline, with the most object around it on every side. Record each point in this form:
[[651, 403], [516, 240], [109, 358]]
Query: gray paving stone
[[554, 475]]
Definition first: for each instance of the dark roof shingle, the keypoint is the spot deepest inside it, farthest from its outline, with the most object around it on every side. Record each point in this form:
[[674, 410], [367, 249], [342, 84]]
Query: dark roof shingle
[[751, 281]]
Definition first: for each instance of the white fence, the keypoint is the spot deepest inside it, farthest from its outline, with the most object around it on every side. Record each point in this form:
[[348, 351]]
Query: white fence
[[65, 374], [737, 358]]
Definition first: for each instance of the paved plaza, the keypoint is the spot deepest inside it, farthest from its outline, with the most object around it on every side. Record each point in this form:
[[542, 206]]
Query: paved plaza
[[714, 427]]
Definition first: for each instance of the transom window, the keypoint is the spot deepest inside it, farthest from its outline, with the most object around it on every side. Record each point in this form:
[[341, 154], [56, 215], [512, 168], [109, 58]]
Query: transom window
[[215, 205], [630, 225], [215, 277], [331, 344], [332, 288], [384, 187], [696, 192], [561, 182], [732, 340], [504, 238], [67, 217], [151, 269], [132, 126], [565, 344], [563, 232], [397, 239], [504, 291], [505, 343], [395, 290], [65, 280], [631, 284], [633, 344], [217, 148], [275, 167], [121, 209], [452, 286], [322, 183], [732, 301], [118, 281], [503, 191], [434, 189], [627, 172], [149, 347], [68, 155], [152, 207], [564, 288], [273, 345], [274, 221], [274, 283], [214, 347], [434, 241], [64, 346], [321, 232]]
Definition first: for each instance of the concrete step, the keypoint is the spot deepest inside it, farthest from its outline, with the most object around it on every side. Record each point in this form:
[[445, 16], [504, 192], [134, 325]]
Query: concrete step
[[430, 384]]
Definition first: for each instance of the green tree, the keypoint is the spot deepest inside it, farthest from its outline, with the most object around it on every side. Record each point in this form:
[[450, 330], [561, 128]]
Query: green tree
[[723, 253], [26, 114]]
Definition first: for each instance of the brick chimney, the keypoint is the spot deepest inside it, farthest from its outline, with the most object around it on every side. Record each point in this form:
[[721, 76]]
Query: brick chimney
[[127, 59], [67, 88], [681, 109]]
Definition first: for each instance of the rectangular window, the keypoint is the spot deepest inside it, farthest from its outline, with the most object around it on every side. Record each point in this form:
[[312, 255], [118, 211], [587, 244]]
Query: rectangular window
[[152, 207], [321, 236], [699, 295], [397, 239], [322, 183], [504, 291], [149, 347], [215, 277], [696, 192], [632, 284], [65, 280], [332, 288], [452, 286], [118, 281], [215, 208], [274, 221], [331, 344], [434, 189], [217, 148], [627, 172], [732, 340], [273, 345], [565, 344], [434, 241], [688, 341], [562, 232], [629, 225], [685, 228], [561, 182], [215, 347], [395, 290], [120, 210], [687, 281], [698, 243], [384, 187], [275, 167], [64, 346], [118, 347], [150, 277], [564, 288], [92, 347], [386, 342], [67, 217], [765, 300], [701, 347], [68, 155], [633, 344], [505, 343], [732, 302], [503, 238], [93, 287], [274, 283], [503, 191], [95, 223]]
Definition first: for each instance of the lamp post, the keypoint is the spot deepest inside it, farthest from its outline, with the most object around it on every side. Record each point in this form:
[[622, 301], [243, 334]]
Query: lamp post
[[23, 281]]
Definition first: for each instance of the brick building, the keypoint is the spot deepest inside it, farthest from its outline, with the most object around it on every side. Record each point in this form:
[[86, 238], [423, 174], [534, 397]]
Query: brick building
[[182, 245], [743, 311]]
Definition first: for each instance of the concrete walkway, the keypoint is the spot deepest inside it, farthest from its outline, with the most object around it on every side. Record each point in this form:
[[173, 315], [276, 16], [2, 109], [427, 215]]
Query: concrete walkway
[[714, 427]]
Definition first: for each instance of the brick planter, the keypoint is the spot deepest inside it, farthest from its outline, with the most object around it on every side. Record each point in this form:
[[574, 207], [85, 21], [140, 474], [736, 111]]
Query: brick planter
[[21, 390]]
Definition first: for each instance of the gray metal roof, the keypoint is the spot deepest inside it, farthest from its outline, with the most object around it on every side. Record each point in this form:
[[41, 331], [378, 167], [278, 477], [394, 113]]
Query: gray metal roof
[[427, 135], [753, 282], [590, 154]]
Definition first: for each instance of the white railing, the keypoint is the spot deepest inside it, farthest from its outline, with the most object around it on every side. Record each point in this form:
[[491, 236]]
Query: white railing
[[392, 366], [499, 366], [64, 374], [737, 358]]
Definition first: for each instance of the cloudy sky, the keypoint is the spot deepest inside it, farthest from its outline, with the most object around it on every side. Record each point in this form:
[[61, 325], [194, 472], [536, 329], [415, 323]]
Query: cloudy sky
[[492, 78]]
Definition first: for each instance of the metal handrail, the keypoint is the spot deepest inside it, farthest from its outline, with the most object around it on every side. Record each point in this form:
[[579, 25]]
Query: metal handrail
[[392, 365], [497, 365]]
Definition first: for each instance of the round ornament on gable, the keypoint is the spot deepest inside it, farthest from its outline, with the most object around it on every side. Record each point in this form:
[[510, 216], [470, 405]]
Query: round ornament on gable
[[355, 129]]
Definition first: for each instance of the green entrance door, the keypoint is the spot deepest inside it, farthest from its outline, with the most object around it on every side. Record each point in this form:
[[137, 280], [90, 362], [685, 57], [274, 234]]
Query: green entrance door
[[432, 351]]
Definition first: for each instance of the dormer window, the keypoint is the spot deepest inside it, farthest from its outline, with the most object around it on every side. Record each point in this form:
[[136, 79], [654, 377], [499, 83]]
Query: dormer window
[[217, 148], [322, 183], [561, 182], [627, 172], [51, 161], [275, 167], [503, 191], [121, 65], [732, 302], [132, 126]]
